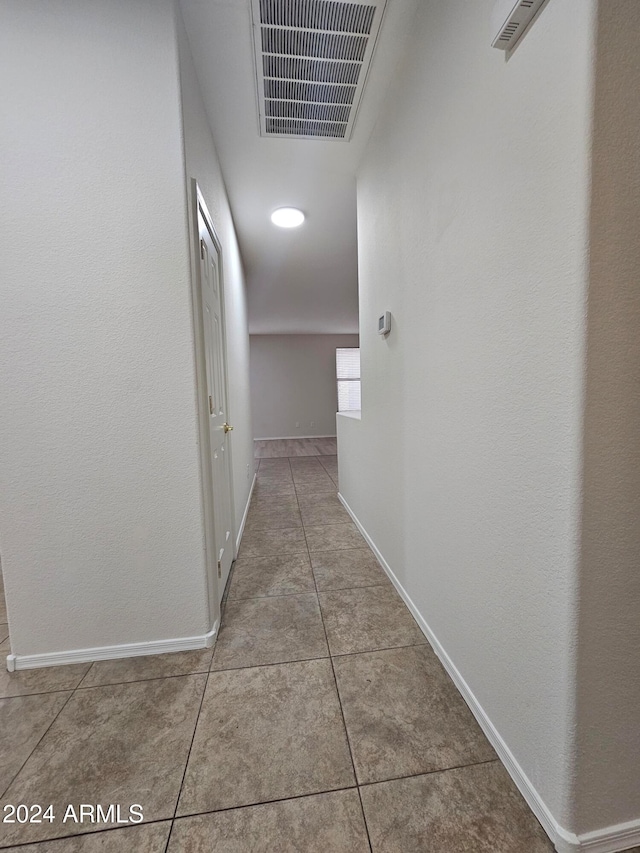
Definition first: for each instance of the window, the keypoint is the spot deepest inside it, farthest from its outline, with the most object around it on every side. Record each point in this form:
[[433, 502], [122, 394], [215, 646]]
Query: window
[[348, 374]]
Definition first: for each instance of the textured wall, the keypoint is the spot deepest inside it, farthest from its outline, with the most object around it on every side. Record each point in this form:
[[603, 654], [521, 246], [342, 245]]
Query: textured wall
[[465, 467], [100, 508], [608, 771], [293, 380], [202, 164]]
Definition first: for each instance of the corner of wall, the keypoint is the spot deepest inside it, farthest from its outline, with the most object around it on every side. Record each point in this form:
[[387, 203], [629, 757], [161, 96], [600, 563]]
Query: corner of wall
[[106, 508], [201, 163], [607, 773], [423, 193]]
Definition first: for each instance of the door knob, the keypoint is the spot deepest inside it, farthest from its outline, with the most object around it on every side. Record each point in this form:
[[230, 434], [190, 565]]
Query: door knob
[[226, 428]]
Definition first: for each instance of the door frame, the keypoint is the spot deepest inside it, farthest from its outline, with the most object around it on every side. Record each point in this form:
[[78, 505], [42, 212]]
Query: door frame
[[198, 205]]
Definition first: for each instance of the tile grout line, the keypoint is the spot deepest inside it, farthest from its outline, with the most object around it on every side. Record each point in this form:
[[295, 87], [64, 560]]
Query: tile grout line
[[346, 732], [263, 665], [86, 674], [69, 698], [295, 660], [223, 607], [323, 791], [150, 678], [429, 772], [64, 705], [305, 592], [266, 802], [90, 832], [305, 550], [72, 693], [335, 682], [231, 668], [186, 764], [328, 473], [40, 692], [275, 595], [255, 804]]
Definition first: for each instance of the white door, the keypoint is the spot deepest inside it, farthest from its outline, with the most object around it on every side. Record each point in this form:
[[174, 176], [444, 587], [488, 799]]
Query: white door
[[216, 403]]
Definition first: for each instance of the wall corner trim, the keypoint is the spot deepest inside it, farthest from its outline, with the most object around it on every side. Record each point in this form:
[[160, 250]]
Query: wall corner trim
[[244, 515], [126, 650], [611, 839]]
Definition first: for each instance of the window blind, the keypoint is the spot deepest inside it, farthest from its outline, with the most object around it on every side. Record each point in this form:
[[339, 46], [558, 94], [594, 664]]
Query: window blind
[[348, 376]]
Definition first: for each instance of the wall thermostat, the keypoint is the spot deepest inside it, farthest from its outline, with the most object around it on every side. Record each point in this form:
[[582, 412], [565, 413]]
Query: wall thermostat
[[384, 323]]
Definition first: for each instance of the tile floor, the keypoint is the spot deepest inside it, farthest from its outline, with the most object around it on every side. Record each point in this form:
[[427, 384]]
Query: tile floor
[[322, 722]]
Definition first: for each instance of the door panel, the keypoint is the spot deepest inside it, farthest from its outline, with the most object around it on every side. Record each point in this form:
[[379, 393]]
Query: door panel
[[216, 404]]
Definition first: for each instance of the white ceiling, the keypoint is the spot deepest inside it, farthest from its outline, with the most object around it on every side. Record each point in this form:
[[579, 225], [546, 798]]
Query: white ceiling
[[301, 280]]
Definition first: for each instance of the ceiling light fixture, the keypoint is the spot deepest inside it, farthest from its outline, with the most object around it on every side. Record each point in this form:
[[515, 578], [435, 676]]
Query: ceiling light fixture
[[287, 217]]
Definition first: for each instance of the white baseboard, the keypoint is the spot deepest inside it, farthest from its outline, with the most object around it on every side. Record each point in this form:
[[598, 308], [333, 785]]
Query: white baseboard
[[291, 437], [612, 839], [126, 650], [244, 515]]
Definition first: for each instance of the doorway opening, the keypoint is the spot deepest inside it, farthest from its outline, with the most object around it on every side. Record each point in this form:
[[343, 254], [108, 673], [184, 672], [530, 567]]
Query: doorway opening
[[213, 406]]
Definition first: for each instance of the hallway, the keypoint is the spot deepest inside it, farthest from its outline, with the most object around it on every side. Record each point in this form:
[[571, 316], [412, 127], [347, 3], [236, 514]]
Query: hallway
[[231, 196], [322, 700]]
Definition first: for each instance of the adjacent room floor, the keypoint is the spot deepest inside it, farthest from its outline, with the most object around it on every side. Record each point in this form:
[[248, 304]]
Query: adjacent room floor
[[273, 448], [322, 722]]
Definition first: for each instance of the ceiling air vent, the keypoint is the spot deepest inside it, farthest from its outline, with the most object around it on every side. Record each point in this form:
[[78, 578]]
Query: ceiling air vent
[[312, 61], [510, 20]]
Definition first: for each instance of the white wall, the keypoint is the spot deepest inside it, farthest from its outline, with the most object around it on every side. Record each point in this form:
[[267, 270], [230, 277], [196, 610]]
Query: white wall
[[101, 518], [293, 380], [201, 163], [607, 778], [472, 209]]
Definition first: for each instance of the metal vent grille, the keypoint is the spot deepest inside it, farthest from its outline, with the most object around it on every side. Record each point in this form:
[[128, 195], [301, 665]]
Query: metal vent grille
[[511, 20], [292, 127], [312, 61], [322, 45], [286, 68], [317, 15], [309, 112], [318, 93]]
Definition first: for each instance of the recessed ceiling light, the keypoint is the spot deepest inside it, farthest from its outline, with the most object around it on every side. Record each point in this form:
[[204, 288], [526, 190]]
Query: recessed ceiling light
[[287, 217]]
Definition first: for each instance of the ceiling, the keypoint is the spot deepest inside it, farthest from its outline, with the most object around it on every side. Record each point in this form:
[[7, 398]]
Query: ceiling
[[302, 280]]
